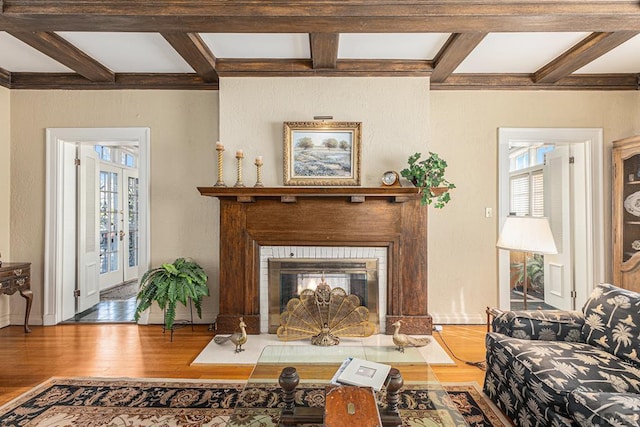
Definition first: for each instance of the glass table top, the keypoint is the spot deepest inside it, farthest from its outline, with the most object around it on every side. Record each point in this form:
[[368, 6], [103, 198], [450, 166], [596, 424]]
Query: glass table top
[[422, 395]]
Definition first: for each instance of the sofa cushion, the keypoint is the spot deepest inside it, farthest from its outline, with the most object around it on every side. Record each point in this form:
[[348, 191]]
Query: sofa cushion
[[612, 321], [544, 372], [605, 409], [549, 325]]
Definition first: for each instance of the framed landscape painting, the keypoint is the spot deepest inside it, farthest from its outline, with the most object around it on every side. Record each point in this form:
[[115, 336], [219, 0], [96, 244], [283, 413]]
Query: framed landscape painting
[[322, 153]]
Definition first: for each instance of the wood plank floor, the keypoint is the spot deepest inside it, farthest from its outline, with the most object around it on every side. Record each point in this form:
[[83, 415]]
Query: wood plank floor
[[117, 350]]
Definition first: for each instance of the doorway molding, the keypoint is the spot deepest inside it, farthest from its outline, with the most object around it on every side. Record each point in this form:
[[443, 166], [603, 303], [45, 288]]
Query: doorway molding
[[56, 254], [594, 198]]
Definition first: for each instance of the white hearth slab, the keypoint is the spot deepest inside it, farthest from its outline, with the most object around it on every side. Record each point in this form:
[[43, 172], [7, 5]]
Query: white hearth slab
[[378, 347]]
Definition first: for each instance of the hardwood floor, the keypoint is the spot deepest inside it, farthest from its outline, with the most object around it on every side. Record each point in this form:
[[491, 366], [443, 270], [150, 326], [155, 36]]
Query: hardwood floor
[[117, 350]]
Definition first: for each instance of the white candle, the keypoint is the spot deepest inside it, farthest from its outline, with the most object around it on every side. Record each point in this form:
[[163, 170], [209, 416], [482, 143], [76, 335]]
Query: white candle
[[219, 145], [239, 153], [259, 160]]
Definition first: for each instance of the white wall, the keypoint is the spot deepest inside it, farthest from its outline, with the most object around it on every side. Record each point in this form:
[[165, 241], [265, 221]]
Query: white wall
[[5, 191], [183, 133], [399, 117], [464, 124], [394, 113]]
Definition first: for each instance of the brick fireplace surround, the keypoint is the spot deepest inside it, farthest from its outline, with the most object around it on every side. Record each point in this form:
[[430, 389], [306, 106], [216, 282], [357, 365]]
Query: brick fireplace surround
[[325, 216]]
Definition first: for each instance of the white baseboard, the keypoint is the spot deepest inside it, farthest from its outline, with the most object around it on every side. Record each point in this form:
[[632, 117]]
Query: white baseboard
[[458, 319]]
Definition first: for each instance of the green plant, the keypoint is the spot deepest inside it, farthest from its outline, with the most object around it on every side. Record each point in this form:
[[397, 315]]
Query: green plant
[[535, 273], [172, 283], [428, 175]]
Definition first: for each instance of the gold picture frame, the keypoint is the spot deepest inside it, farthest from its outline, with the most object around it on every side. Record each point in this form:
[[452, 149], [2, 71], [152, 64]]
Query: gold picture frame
[[322, 153]]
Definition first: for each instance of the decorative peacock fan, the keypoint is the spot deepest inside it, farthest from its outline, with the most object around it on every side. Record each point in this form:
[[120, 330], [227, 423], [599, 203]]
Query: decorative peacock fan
[[324, 315]]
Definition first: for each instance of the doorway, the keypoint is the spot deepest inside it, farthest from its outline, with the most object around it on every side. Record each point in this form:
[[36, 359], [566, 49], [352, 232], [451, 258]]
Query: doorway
[[78, 246], [575, 213]]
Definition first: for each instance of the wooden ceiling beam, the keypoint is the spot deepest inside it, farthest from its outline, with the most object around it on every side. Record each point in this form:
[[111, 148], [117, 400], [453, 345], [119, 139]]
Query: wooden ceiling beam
[[195, 52], [525, 82], [304, 16], [122, 81], [454, 51], [302, 67], [67, 54], [592, 47], [5, 78], [324, 49]]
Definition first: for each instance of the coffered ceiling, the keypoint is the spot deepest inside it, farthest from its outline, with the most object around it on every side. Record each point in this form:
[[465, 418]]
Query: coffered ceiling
[[190, 44]]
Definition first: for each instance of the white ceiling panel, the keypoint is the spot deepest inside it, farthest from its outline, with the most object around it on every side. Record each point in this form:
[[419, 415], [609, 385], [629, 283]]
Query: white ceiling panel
[[623, 59], [391, 46], [129, 52], [16, 56], [257, 45], [517, 52]]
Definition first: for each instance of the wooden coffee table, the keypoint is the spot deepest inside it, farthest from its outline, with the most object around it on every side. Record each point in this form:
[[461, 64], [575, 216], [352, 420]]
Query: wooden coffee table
[[294, 393]]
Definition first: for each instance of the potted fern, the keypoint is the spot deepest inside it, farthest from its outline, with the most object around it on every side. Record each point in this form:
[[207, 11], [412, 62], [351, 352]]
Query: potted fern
[[428, 175], [172, 283]]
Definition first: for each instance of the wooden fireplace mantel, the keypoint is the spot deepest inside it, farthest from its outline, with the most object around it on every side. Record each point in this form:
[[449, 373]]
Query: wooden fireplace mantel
[[291, 194], [389, 217]]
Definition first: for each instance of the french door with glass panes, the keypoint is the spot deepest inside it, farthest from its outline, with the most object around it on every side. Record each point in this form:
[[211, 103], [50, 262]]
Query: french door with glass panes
[[119, 234]]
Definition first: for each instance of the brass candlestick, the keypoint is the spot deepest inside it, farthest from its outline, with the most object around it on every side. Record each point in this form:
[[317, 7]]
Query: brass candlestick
[[220, 150], [258, 172], [239, 156]]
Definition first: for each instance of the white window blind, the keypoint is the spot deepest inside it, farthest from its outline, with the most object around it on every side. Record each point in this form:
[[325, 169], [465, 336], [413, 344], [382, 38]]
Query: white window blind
[[519, 195], [527, 194], [537, 193]]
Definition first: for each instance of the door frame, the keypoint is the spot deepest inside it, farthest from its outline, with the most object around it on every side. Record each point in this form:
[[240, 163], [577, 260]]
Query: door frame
[[592, 138], [57, 183]]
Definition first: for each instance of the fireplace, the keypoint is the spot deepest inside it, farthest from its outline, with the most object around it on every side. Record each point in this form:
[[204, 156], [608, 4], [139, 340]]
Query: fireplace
[[388, 218], [287, 270]]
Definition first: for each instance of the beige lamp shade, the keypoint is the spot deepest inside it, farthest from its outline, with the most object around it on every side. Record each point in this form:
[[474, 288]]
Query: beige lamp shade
[[527, 234]]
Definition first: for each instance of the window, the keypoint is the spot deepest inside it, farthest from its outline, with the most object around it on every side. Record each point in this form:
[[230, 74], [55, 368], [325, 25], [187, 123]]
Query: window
[[121, 156], [527, 193]]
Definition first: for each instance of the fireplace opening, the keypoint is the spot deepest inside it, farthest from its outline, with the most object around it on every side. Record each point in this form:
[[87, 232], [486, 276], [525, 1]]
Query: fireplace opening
[[289, 277]]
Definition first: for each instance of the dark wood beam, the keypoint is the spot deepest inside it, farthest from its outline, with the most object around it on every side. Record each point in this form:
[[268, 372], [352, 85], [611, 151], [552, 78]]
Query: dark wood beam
[[304, 16], [302, 67], [195, 51], [525, 82], [592, 47], [324, 49], [5, 78], [122, 81], [67, 54], [455, 50]]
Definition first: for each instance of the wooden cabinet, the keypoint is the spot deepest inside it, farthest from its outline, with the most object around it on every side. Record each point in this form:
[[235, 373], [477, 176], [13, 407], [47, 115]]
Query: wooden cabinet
[[626, 213], [16, 277]]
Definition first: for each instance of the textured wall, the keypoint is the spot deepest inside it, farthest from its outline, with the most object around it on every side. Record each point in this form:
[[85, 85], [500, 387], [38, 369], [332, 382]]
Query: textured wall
[[5, 193], [394, 114], [183, 132], [399, 117], [464, 124]]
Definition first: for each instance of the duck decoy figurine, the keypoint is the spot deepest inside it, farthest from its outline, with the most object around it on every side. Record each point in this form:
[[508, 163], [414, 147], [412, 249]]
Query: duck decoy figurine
[[238, 338], [402, 340]]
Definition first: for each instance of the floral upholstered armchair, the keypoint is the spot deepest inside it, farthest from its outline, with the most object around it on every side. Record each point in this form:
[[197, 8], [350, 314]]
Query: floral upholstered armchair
[[562, 368]]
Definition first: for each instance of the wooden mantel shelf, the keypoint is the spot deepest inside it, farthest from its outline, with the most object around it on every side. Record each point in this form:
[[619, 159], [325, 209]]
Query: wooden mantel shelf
[[290, 194]]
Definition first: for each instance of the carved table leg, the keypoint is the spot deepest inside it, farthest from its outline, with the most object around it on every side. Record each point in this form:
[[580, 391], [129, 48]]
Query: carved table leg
[[391, 417], [288, 380], [28, 295]]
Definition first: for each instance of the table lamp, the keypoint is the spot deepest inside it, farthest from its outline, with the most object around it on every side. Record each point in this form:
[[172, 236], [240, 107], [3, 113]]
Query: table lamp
[[531, 235]]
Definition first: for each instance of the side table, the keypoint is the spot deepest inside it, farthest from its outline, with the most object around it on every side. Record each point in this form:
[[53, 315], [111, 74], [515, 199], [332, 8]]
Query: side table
[[16, 276], [291, 415]]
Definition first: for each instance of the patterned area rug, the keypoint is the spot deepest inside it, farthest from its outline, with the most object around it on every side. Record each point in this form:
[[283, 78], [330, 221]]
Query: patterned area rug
[[92, 402]]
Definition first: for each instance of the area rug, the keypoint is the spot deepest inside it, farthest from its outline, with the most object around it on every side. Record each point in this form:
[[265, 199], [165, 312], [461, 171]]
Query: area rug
[[92, 402]]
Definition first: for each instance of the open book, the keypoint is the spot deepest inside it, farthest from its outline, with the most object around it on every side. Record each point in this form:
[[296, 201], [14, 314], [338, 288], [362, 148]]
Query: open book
[[359, 372]]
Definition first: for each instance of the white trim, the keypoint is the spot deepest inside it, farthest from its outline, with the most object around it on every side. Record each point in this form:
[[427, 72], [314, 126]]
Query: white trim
[[593, 140], [55, 138]]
